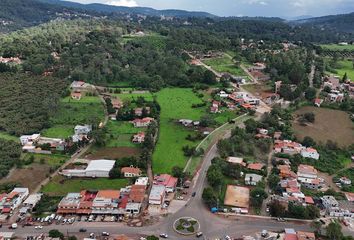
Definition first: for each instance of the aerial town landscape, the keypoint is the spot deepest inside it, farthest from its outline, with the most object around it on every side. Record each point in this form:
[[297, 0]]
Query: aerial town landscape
[[126, 122]]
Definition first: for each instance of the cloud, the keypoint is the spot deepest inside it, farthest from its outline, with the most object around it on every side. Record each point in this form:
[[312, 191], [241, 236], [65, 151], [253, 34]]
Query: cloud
[[260, 2], [124, 3]]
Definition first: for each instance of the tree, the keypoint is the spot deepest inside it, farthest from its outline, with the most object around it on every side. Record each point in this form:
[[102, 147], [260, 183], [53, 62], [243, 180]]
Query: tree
[[273, 181], [345, 77], [310, 94], [115, 173], [317, 225], [276, 209], [334, 231], [178, 172], [72, 238], [308, 142], [215, 176], [209, 77], [209, 197], [257, 196], [251, 125], [54, 233]]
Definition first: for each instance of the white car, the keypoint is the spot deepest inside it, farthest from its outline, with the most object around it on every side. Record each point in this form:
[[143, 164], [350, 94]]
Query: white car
[[38, 227], [163, 235], [227, 237]]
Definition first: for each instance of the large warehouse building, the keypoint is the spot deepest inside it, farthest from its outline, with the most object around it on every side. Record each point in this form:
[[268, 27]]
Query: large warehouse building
[[95, 168]]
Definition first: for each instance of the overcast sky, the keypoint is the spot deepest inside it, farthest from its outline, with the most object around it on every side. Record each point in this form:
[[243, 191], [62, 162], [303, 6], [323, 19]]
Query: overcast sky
[[268, 8]]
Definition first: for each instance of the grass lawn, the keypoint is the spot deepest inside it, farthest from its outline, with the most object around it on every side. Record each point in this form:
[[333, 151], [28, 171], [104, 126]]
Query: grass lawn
[[6, 136], [119, 134], [346, 67], [336, 47], [72, 112], [60, 186], [225, 116], [131, 96], [225, 64], [176, 103]]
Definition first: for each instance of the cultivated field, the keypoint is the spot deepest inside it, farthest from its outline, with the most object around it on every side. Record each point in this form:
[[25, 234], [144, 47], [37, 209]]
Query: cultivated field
[[224, 64], [72, 112], [113, 153], [59, 186], [329, 125], [336, 47], [346, 67], [176, 103]]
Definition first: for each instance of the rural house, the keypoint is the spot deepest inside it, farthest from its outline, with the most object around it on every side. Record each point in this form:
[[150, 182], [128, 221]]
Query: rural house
[[252, 179], [131, 172], [139, 137], [145, 122]]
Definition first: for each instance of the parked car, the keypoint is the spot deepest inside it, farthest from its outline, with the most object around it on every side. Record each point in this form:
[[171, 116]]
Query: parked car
[[82, 230], [227, 237], [193, 194], [199, 234], [280, 219], [105, 234], [163, 235], [38, 227]]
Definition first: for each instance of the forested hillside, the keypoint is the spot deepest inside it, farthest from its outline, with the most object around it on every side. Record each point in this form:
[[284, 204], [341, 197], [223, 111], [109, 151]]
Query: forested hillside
[[16, 14], [26, 102]]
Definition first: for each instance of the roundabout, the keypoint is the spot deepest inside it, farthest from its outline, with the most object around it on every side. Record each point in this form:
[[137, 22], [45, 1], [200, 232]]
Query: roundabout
[[186, 226]]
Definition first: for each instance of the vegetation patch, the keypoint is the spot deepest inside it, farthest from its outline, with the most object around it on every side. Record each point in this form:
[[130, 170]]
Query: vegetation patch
[[119, 134], [113, 153], [60, 186], [176, 103], [186, 226], [225, 64]]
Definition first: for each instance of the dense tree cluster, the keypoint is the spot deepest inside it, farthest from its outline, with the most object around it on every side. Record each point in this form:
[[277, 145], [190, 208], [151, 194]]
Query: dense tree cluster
[[10, 153], [27, 102]]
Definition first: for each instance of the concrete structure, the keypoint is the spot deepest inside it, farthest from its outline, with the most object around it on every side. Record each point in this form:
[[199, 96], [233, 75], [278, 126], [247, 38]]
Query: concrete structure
[[236, 160], [310, 153], [95, 168], [32, 200], [133, 208], [143, 181], [139, 137], [26, 139], [307, 176], [80, 132], [252, 179], [157, 195]]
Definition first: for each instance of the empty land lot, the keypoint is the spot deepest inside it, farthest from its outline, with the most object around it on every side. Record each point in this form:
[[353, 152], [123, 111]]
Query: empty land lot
[[329, 125]]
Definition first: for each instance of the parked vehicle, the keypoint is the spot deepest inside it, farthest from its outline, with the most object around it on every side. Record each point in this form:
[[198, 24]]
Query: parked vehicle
[[199, 234], [82, 230], [105, 234], [163, 235], [38, 227], [193, 194]]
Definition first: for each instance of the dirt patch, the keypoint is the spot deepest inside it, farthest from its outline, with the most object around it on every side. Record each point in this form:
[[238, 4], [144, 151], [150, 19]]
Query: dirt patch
[[114, 153], [329, 124], [29, 176]]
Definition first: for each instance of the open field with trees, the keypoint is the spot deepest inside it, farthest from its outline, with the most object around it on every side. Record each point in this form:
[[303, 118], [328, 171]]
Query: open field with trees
[[225, 64], [327, 122], [89, 110], [59, 186], [346, 66], [176, 103], [119, 134]]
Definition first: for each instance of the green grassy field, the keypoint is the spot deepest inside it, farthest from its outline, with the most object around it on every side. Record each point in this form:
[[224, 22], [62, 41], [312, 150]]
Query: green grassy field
[[176, 103], [346, 67], [51, 160], [131, 96], [336, 47], [56, 188], [6, 136], [119, 134], [72, 112], [225, 64]]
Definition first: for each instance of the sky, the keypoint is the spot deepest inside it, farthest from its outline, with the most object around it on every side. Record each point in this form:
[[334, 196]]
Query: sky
[[266, 8]]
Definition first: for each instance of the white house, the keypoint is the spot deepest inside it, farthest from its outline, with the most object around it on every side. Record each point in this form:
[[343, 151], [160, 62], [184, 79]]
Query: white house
[[95, 168], [142, 181], [157, 194], [131, 172], [345, 181], [82, 129], [252, 179], [310, 153], [26, 139]]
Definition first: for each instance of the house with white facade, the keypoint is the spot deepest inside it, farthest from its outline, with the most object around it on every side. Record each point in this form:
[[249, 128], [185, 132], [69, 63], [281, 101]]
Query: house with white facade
[[157, 194], [310, 153]]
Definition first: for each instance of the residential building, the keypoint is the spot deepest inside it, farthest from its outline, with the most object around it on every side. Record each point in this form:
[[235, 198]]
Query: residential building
[[144, 181], [333, 208], [307, 176], [157, 195], [139, 137], [166, 180], [285, 172], [32, 200], [131, 172], [137, 193], [310, 153], [317, 102], [95, 168], [140, 111], [287, 147], [13, 200], [133, 208], [106, 202], [81, 132], [305, 236], [256, 166], [345, 181], [145, 122], [252, 179], [236, 160], [29, 139], [80, 86], [76, 95]]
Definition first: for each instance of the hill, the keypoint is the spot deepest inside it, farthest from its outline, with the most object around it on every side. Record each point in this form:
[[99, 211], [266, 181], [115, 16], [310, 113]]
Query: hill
[[104, 8], [16, 14], [342, 22]]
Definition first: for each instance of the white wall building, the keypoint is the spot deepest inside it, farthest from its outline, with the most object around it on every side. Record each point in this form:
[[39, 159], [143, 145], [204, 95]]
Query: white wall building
[[95, 168], [26, 139]]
